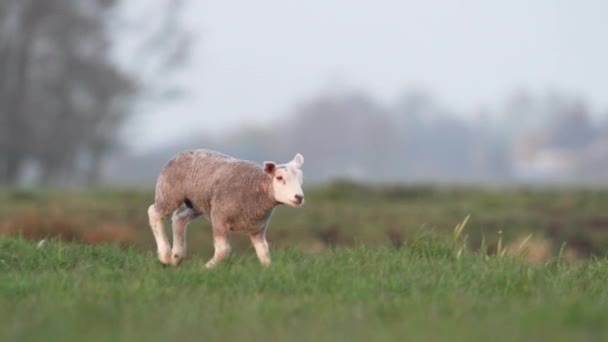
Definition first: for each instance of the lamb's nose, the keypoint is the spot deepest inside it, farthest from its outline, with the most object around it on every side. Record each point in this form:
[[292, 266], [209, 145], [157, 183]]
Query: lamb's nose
[[299, 198]]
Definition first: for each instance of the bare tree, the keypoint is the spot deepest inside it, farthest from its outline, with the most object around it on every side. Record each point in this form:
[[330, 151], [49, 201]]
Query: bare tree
[[63, 94]]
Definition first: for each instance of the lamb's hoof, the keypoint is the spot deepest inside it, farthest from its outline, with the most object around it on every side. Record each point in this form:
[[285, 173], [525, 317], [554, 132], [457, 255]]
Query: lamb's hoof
[[210, 264], [176, 259], [164, 258]]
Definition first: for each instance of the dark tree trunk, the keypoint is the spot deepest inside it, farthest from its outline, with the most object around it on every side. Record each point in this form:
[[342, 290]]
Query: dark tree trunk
[[14, 96], [14, 163]]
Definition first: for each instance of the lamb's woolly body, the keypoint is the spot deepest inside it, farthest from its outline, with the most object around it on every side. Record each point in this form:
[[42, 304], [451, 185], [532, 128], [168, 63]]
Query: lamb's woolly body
[[219, 186], [234, 194]]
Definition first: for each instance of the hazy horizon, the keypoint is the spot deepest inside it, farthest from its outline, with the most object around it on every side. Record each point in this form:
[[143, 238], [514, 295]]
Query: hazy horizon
[[252, 63]]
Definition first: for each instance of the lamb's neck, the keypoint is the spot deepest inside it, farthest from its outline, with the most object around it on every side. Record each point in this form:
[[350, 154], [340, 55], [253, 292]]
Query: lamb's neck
[[266, 199], [263, 198]]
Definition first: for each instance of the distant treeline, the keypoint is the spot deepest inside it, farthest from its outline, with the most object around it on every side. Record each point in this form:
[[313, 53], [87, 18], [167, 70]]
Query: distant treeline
[[532, 137]]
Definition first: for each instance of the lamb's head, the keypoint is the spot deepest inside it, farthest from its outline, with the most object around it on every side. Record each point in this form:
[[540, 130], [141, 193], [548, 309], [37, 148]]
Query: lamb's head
[[287, 181]]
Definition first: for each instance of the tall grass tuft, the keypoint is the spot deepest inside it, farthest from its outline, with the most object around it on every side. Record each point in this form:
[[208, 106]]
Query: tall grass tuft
[[458, 239]]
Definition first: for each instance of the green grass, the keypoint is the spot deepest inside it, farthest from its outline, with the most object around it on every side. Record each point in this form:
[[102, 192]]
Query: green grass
[[334, 275], [71, 292]]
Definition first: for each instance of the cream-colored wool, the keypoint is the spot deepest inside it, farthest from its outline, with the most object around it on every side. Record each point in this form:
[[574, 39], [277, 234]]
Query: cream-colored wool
[[236, 195]]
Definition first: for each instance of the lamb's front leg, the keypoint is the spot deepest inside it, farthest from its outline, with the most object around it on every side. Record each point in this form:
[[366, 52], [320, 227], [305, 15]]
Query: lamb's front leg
[[261, 247], [220, 244]]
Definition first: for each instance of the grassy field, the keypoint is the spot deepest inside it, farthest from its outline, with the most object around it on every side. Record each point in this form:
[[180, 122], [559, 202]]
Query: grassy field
[[356, 263], [70, 292]]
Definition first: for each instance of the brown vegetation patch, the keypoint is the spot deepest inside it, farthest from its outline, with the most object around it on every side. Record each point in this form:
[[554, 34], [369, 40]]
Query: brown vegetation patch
[[582, 245], [532, 249], [109, 233], [598, 223], [330, 236], [36, 225], [395, 236]]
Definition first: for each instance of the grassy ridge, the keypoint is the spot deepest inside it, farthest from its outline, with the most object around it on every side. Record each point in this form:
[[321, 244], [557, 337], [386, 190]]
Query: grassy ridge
[[341, 214], [72, 292]]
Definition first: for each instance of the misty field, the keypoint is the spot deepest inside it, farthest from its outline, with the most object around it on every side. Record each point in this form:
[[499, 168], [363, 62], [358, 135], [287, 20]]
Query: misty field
[[355, 263]]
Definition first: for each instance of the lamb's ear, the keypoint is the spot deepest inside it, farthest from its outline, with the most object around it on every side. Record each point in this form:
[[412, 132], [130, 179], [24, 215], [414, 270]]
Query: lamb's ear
[[298, 160], [269, 167]]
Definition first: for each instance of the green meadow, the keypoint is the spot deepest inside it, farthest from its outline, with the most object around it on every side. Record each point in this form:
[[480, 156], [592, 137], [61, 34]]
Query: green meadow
[[356, 263]]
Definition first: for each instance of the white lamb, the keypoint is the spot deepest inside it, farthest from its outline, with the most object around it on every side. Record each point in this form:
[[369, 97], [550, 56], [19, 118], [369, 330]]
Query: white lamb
[[236, 195]]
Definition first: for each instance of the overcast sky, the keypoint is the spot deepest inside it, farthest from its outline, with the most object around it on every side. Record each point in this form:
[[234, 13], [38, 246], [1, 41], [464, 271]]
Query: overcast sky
[[255, 59]]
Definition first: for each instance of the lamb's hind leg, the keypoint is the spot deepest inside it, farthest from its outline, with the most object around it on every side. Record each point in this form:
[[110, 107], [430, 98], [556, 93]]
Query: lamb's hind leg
[[162, 244], [180, 219]]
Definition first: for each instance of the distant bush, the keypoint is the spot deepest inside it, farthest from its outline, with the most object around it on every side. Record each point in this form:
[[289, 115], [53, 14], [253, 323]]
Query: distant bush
[[344, 189]]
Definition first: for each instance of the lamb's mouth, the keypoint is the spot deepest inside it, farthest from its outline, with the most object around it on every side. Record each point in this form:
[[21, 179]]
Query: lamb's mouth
[[296, 204]]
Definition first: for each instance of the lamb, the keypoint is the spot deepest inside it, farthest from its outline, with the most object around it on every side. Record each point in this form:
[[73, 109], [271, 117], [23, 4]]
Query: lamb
[[235, 195]]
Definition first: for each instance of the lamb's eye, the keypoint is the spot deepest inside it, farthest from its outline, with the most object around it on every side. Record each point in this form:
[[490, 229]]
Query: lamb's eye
[[280, 178]]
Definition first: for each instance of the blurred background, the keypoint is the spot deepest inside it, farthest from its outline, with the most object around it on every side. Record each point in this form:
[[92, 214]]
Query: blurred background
[[439, 128], [492, 92], [409, 115]]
